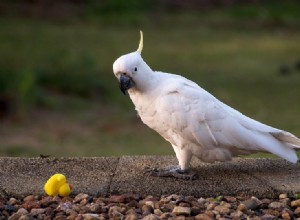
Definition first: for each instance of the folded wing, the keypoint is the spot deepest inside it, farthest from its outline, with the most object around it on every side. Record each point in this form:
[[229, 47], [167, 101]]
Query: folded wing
[[190, 115]]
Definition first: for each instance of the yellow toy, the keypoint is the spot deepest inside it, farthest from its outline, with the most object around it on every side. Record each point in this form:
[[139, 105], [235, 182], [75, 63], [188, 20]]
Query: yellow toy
[[57, 185]]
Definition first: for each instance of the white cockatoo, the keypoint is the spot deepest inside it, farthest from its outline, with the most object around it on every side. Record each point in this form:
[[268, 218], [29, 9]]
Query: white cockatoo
[[194, 121]]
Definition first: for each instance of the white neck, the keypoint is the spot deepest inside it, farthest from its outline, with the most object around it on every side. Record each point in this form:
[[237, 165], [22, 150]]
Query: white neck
[[142, 94]]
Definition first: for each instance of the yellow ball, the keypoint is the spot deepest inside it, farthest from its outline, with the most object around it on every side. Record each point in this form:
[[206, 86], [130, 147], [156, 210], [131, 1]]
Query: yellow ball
[[57, 185]]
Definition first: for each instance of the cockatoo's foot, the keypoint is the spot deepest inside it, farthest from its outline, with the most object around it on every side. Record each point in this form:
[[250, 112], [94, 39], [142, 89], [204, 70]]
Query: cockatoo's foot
[[172, 171]]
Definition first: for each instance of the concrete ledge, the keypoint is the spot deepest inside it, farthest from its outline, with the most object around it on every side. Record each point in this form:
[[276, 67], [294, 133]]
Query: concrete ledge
[[117, 175]]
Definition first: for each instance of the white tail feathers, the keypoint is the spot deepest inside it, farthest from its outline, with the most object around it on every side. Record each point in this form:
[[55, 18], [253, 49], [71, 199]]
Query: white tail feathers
[[280, 147], [287, 138]]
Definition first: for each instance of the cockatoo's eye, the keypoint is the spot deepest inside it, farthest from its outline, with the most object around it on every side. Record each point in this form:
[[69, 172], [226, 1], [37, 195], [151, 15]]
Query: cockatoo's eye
[[135, 69]]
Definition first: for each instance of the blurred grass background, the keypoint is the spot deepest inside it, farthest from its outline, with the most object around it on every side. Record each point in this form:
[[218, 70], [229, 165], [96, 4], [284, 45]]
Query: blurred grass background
[[59, 97]]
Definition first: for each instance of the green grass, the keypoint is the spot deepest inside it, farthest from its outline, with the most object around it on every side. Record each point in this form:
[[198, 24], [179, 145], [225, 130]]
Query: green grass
[[70, 102]]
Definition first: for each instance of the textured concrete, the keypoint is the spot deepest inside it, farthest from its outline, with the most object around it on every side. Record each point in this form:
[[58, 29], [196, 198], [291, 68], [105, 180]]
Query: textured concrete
[[112, 175], [23, 176]]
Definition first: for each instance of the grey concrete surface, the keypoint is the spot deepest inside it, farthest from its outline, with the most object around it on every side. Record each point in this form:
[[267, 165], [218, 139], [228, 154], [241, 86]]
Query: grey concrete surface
[[117, 175]]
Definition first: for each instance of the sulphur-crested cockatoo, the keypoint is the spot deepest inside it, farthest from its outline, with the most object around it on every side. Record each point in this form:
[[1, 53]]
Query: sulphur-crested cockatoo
[[194, 121]]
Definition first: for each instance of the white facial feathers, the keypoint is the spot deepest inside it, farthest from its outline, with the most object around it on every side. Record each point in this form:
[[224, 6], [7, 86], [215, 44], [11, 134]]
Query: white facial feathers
[[127, 63]]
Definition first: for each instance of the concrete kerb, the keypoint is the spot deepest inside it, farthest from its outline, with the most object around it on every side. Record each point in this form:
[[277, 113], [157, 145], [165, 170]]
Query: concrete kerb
[[24, 176], [101, 176]]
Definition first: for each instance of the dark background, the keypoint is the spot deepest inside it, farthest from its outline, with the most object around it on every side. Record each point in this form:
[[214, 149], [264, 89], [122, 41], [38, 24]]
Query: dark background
[[58, 95]]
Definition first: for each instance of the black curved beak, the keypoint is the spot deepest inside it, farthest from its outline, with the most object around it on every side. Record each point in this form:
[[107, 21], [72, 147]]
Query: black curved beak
[[125, 83]]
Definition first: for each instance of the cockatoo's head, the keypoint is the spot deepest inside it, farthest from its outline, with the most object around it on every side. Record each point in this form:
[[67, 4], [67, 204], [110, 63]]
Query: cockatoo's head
[[130, 69]]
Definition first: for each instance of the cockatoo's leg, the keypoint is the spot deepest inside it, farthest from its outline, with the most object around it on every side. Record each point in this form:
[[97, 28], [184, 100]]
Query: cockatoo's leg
[[181, 171], [184, 157]]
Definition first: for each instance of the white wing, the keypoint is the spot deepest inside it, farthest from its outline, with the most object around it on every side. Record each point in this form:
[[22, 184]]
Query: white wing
[[189, 115]]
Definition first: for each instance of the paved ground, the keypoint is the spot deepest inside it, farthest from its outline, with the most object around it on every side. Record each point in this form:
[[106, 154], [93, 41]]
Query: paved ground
[[117, 175]]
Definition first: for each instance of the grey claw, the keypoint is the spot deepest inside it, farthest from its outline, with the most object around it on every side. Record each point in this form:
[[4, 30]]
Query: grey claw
[[150, 170], [170, 172], [185, 176]]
